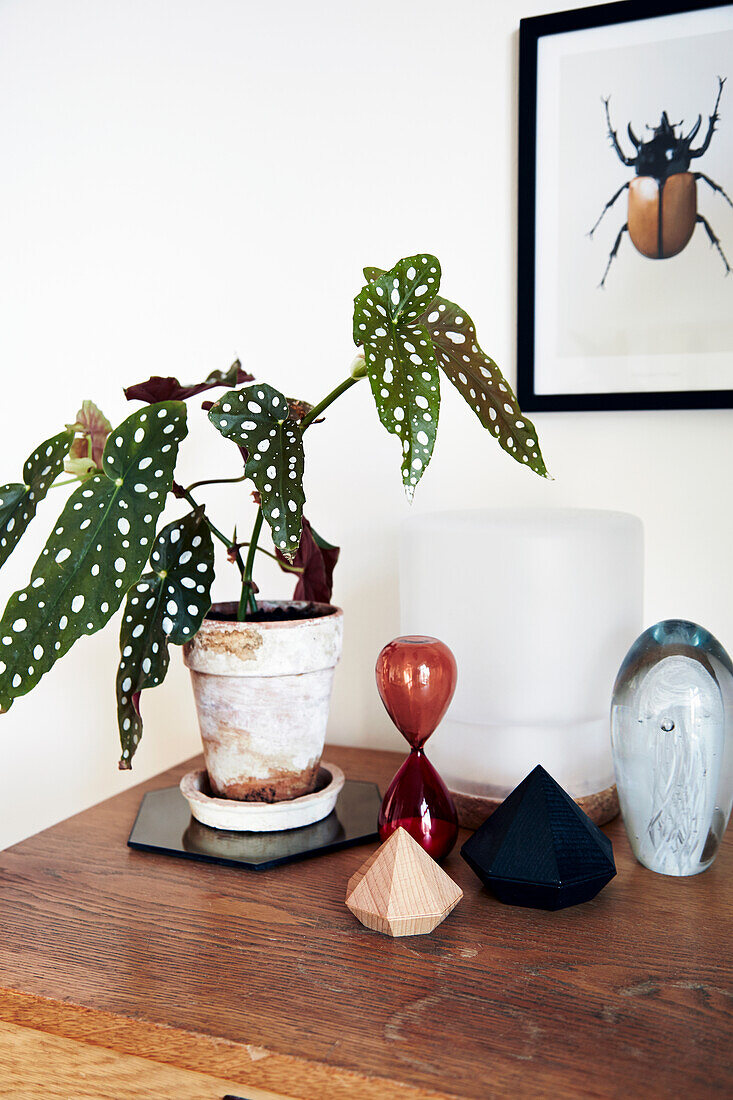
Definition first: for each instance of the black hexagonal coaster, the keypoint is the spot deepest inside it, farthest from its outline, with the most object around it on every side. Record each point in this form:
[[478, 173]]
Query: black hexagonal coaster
[[539, 849], [164, 824]]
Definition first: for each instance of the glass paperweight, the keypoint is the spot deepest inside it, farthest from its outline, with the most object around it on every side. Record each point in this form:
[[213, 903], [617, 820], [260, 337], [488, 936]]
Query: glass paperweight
[[673, 747], [416, 678]]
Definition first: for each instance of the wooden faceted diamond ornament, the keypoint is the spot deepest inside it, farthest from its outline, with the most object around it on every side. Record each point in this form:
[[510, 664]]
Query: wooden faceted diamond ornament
[[400, 890]]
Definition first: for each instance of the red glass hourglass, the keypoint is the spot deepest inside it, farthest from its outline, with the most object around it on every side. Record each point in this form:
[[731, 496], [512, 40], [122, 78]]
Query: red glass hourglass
[[416, 678]]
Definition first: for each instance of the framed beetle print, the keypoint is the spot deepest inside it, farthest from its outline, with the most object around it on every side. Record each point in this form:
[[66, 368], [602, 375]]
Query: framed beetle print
[[626, 207]]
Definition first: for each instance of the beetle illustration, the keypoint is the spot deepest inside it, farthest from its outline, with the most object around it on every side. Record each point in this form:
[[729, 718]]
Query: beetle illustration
[[662, 209]]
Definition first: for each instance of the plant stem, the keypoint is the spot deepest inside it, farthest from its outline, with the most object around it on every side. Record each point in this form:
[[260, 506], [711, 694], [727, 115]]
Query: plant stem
[[283, 564], [186, 493], [71, 481], [328, 400], [247, 596], [215, 481]]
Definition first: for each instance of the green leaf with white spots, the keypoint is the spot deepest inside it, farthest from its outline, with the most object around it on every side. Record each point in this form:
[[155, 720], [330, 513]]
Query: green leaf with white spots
[[18, 503], [97, 550], [166, 605], [257, 418], [481, 384], [401, 363], [478, 379]]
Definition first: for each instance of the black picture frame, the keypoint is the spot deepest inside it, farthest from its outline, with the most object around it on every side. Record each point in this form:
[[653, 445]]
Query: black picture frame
[[531, 31]]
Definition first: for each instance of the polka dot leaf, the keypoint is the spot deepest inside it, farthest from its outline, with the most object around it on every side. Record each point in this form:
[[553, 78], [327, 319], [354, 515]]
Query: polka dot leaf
[[166, 605], [97, 550], [402, 368], [481, 384], [478, 379], [257, 419], [18, 503]]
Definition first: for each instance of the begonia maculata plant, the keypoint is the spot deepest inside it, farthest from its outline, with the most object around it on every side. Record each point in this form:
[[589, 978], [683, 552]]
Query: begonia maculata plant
[[106, 546]]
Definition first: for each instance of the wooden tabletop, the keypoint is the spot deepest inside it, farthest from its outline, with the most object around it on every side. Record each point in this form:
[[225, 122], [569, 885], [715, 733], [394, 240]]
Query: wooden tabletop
[[268, 980]]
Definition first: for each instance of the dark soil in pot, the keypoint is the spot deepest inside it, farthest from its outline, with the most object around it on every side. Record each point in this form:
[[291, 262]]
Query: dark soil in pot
[[271, 612]]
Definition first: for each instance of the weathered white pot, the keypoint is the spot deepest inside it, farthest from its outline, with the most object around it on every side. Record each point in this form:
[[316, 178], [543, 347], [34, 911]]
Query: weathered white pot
[[262, 694]]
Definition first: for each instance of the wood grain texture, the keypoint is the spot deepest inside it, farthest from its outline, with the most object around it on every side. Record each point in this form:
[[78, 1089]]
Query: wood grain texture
[[267, 978], [34, 1064], [400, 890]]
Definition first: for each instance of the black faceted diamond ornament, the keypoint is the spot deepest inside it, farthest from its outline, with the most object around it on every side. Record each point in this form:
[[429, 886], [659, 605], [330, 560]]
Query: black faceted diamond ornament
[[539, 849]]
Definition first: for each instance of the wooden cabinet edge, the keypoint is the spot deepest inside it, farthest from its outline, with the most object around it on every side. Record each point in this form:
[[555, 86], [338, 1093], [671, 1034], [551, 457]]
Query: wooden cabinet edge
[[265, 1074], [36, 1063]]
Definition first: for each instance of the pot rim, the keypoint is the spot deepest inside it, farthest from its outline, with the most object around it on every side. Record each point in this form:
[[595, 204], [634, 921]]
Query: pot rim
[[190, 787], [333, 612]]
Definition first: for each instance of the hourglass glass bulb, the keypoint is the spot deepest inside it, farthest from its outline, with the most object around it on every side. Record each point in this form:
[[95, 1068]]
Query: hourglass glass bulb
[[416, 678]]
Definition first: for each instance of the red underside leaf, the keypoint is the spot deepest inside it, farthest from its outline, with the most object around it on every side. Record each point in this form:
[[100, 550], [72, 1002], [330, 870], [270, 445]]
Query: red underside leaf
[[317, 558], [158, 388]]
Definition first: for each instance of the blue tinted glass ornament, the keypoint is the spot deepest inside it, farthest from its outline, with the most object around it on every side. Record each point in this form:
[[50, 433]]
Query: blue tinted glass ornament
[[672, 746]]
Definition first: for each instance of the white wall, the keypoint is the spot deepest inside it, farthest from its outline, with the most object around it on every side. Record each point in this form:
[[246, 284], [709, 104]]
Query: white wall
[[192, 180]]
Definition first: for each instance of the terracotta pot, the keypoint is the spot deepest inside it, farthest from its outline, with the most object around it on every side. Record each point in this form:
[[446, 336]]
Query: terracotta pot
[[262, 694]]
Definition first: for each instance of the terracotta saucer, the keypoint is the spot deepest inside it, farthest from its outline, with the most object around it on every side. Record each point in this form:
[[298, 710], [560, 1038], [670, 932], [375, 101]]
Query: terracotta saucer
[[262, 817]]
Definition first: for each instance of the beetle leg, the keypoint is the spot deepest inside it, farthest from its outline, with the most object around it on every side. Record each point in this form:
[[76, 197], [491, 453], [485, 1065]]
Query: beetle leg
[[714, 241], [628, 161], [624, 229], [715, 186], [608, 206], [711, 123]]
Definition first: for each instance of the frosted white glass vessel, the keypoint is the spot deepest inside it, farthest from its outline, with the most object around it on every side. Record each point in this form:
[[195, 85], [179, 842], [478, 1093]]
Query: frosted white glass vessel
[[539, 607], [671, 733]]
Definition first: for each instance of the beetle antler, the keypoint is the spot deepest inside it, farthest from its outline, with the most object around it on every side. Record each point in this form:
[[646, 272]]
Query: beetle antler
[[629, 161], [713, 119], [693, 132], [632, 137]]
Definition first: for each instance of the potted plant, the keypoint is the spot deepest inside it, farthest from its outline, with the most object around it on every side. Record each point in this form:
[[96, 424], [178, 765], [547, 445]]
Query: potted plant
[[261, 671]]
